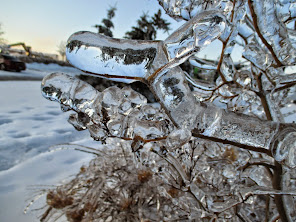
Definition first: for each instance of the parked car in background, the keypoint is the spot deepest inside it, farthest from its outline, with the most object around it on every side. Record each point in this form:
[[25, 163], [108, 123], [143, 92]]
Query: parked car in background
[[8, 62]]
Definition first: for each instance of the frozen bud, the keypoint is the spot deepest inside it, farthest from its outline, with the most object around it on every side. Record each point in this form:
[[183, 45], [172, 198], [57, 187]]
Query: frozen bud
[[153, 112], [111, 97], [76, 122], [97, 132], [65, 108], [229, 172], [115, 125], [135, 98], [125, 107], [150, 130], [137, 143]]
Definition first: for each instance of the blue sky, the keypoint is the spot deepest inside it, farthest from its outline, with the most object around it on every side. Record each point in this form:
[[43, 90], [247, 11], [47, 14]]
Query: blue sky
[[43, 24]]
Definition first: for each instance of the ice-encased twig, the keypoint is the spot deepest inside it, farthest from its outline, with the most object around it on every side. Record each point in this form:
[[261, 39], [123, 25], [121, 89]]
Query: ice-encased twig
[[150, 61], [117, 59], [156, 63], [113, 112]]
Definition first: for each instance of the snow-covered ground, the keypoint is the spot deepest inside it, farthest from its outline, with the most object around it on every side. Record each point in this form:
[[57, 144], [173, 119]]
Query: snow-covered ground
[[24, 182], [29, 125]]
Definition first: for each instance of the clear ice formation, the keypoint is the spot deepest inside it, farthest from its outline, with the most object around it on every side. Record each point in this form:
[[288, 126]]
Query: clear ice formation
[[156, 64], [108, 57], [126, 114], [123, 113], [111, 113], [137, 60]]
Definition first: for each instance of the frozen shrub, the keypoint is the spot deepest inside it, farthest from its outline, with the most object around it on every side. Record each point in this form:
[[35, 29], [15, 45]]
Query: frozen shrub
[[190, 158], [113, 188]]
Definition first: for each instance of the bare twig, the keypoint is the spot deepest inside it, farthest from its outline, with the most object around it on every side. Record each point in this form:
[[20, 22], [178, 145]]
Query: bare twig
[[255, 22]]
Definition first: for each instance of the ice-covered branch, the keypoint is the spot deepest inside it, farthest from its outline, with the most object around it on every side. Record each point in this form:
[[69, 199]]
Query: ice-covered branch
[[169, 85], [185, 142]]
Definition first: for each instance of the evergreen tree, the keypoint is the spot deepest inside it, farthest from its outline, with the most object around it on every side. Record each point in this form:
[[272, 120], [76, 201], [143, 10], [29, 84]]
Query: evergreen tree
[[146, 28], [107, 24]]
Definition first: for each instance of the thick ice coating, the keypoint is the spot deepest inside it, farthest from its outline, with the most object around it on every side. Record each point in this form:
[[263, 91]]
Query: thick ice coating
[[195, 34], [137, 60], [156, 63], [114, 112], [150, 61], [189, 144], [124, 60]]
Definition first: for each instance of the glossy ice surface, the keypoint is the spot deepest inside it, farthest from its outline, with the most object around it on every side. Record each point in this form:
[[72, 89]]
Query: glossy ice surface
[[156, 63], [213, 174], [101, 55]]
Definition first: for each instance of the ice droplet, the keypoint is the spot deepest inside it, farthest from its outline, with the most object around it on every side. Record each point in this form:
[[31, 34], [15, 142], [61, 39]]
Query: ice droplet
[[74, 120], [284, 147], [177, 138]]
